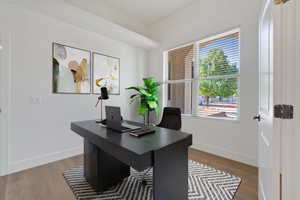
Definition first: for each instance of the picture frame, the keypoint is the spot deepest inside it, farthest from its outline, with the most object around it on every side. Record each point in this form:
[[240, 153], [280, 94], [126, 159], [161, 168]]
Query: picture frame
[[71, 70], [106, 68]]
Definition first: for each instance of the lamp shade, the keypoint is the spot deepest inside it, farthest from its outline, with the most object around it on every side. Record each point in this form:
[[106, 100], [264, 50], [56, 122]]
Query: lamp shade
[[104, 93]]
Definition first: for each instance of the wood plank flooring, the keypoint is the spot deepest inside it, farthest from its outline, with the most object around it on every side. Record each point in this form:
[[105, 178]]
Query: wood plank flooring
[[2, 187], [47, 183]]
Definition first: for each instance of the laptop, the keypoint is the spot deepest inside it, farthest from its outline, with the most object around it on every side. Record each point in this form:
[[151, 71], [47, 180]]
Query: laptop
[[114, 120]]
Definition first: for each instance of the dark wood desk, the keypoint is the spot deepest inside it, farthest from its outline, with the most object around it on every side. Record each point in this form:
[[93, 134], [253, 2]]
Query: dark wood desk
[[108, 156]]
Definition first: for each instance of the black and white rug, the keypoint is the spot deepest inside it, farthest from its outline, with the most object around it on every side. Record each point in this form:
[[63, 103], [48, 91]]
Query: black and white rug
[[205, 183]]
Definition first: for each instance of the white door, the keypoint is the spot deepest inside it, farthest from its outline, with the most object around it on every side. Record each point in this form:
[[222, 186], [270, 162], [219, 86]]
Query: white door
[[267, 141], [290, 148]]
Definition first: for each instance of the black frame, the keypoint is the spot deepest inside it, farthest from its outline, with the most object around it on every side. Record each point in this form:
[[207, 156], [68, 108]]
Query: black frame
[[90, 65], [93, 85]]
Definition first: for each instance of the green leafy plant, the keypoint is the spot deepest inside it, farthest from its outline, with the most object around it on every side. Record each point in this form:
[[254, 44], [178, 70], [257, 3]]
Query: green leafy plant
[[147, 97]]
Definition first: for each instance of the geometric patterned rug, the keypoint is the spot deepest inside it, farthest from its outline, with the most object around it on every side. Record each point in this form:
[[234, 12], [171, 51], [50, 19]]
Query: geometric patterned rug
[[205, 183]]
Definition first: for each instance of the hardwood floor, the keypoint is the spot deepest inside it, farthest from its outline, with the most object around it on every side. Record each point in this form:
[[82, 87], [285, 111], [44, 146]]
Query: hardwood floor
[[41, 183], [2, 187], [47, 183]]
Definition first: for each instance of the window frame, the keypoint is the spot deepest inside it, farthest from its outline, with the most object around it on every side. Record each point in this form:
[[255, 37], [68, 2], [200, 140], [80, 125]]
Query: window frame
[[196, 81]]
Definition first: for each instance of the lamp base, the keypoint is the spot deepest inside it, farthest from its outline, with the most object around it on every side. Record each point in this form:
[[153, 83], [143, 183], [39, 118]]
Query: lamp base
[[99, 121]]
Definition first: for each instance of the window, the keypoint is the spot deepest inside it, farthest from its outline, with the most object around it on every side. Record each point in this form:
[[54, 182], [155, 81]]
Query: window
[[203, 77]]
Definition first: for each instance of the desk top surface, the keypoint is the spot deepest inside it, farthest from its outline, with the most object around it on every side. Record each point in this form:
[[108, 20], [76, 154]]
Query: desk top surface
[[161, 138]]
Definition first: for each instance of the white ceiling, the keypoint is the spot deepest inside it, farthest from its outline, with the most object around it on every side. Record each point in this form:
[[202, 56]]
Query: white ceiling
[[148, 11]]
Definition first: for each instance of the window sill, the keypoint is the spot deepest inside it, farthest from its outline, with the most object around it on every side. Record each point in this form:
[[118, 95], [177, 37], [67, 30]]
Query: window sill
[[188, 116]]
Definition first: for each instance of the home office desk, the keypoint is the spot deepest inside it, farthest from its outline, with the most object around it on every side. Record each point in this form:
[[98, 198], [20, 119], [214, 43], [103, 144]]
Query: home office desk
[[108, 156]]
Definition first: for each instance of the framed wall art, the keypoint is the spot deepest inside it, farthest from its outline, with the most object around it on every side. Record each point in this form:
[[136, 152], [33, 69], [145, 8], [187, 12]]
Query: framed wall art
[[106, 73], [71, 70]]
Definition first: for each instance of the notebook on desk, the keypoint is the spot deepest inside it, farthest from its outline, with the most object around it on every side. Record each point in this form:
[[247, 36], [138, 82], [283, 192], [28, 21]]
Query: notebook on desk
[[141, 132]]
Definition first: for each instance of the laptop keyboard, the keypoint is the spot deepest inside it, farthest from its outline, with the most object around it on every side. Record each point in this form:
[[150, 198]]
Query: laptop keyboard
[[129, 126], [124, 128]]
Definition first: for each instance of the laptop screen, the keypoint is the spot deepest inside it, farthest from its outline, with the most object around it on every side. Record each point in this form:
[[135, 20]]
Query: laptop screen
[[113, 113]]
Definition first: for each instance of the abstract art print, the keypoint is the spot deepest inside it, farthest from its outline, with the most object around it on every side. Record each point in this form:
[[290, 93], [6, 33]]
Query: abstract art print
[[106, 73], [71, 70]]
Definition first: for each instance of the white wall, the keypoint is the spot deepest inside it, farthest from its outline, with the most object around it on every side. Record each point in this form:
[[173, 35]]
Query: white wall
[[234, 140], [40, 133], [63, 11], [114, 15]]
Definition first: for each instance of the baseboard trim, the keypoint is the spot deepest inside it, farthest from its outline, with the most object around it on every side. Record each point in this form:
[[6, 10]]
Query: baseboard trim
[[42, 160], [52, 157], [226, 154]]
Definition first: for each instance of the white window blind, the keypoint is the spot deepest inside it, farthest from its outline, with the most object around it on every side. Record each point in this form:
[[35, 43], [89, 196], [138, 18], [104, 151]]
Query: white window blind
[[180, 61], [203, 77], [219, 56]]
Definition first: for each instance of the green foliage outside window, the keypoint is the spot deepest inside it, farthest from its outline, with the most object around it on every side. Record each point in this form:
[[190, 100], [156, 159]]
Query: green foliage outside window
[[217, 64]]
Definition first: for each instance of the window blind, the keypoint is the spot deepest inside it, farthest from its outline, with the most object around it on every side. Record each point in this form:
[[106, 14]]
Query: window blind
[[220, 56], [214, 58], [181, 63], [203, 77]]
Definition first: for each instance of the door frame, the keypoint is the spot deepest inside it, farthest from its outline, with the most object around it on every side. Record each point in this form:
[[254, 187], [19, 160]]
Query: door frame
[[286, 91], [277, 95], [5, 95], [290, 161]]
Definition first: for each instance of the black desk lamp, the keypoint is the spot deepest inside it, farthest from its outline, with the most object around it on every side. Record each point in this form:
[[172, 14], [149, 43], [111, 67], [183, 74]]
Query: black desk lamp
[[104, 96]]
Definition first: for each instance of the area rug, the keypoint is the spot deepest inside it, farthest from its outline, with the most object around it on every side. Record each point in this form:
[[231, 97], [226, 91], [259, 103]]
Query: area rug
[[205, 183]]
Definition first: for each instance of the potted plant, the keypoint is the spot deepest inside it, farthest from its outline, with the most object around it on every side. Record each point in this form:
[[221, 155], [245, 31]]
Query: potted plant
[[147, 97]]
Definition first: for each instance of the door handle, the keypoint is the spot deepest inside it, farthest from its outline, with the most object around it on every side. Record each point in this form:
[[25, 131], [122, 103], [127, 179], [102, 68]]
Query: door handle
[[257, 117]]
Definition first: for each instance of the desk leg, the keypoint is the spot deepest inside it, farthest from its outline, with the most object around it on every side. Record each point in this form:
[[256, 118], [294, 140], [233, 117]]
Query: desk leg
[[101, 170], [170, 174]]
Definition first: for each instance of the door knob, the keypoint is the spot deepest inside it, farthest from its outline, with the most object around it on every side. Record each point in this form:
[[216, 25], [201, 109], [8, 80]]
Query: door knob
[[257, 117]]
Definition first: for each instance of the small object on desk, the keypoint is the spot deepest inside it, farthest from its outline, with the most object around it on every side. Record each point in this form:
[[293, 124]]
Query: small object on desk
[[102, 122], [104, 96], [141, 132], [114, 120]]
